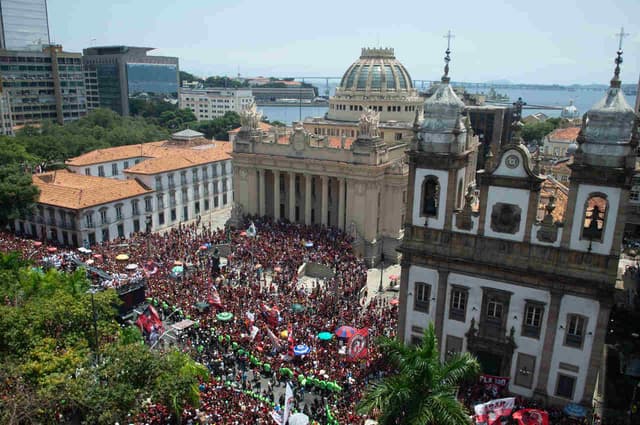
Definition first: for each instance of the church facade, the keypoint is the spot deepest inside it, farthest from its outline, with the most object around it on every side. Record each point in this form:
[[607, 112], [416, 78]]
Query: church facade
[[529, 297]]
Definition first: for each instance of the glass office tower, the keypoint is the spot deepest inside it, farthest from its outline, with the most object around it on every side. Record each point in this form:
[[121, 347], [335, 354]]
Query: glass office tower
[[23, 24]]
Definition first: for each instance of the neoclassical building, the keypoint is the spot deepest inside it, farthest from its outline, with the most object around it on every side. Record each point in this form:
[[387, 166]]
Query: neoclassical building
[[530, 296], [356, 184], [376, 81]]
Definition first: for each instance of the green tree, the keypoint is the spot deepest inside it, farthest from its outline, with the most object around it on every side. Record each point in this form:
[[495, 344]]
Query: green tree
[[218, 128], [422, 391], [186, 76], [217, 81], [537, 131], [46, 363], [17, 193]]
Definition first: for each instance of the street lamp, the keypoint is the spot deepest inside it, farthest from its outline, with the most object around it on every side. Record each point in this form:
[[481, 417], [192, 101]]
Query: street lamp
[[147, 222], [96, 348]]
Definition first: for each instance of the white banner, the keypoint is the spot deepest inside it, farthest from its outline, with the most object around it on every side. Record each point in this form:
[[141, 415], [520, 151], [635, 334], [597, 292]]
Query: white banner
[[489, 412], [288, 403]]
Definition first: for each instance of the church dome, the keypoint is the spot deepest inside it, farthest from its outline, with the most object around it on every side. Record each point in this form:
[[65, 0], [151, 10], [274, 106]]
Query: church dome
[[377, 69], [569, 111]]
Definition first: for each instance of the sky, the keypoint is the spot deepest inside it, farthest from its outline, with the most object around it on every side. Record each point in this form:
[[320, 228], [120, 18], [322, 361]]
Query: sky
[[541, 42]]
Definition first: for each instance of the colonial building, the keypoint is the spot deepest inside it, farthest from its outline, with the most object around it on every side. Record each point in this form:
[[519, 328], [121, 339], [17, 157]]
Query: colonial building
[[355, 184], [530, 298], [560, 142], [376, 81], [113, 192]]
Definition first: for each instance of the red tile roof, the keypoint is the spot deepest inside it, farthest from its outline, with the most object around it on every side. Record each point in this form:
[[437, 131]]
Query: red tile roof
[[569, 134]]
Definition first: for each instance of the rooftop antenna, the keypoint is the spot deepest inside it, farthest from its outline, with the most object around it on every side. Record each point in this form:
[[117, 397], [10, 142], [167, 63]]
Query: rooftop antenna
[[445, 78], [615, 81]]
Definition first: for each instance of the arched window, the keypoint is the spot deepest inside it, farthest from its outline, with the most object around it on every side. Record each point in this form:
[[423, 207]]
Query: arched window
[[430, 196], [594, 218]]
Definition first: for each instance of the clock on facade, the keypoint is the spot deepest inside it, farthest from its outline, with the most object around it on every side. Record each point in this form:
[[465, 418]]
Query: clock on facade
[[512, 161]]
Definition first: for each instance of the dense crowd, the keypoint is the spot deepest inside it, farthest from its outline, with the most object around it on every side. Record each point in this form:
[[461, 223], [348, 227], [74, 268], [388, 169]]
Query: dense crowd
[[259, 285]]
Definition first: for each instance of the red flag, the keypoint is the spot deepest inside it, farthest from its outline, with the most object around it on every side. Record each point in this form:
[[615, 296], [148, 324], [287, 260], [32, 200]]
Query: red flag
[[357, 344], [531, 417], [215, 298], [143, 323]]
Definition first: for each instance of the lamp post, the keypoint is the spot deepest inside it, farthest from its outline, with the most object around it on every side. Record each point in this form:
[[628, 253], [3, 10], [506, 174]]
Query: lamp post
[[147, 222], [96, 348]]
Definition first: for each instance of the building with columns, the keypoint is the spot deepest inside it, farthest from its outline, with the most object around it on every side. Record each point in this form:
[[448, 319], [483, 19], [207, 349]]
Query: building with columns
[[355, 184], [529, 297], [376, 81]]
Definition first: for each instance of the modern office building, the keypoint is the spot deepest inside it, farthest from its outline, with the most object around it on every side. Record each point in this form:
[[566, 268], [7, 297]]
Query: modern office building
[[24, 25], [124, 71], [6, 120], [210, 103], [44, 85], [91, 84], [528, 292]]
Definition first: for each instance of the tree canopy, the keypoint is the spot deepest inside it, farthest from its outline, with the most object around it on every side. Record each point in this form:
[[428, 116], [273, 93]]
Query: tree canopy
[[537, 131], [47, 370], [422, 389], [187, 76]]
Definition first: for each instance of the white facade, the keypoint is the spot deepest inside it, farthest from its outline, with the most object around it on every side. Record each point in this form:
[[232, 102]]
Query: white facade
[[207, 104], [111, 169], [181, 195]]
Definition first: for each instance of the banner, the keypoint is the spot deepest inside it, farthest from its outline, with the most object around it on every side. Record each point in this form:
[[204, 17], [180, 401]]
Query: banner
[[288, 403], [531, 417], [491, 411], [357, 344], [499, 381]]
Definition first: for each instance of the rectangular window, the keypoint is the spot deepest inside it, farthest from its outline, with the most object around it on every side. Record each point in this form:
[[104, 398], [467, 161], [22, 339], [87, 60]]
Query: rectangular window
[[224, 185], [224, 199], [576, 325], [118, 212], [215, 202], [532, 324], [196, 207], [398, 136], [161, 218], [565, 385], [134, 208], [205, 173], [494, 311], [422, 297], [185, 196], [173, 214], [194, 175], [183, 177], [453, 346], [525, 368], [147, 204], [125, 165], [92, 238], [172, 199], [114, 169], [158, 183], [136, 225], [206, 205], [88, 220], [121, 230], [87, 171], [171, 180], [100, 170], [103, 216], [160, 200], [458, 306], [185, 213]]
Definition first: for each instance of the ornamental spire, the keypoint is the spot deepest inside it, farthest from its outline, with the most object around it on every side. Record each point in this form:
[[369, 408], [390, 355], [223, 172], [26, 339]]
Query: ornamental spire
[[445, 78], [615, 81]]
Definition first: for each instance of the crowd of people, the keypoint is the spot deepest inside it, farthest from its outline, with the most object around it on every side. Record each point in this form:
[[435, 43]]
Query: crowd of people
[[258, 286]]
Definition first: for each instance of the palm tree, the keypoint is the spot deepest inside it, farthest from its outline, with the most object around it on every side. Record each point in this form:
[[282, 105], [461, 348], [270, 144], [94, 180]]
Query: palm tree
[[422, 390]]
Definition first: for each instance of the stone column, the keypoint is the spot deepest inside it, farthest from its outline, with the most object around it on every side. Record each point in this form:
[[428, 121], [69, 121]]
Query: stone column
[[324, 211], [292, 197], [549, 340], [261, 192], [276, 195], [341, 203], [307, 198]]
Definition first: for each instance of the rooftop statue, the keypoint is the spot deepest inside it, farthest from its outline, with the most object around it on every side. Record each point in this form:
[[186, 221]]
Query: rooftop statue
[[368, 124], [250, 118]]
